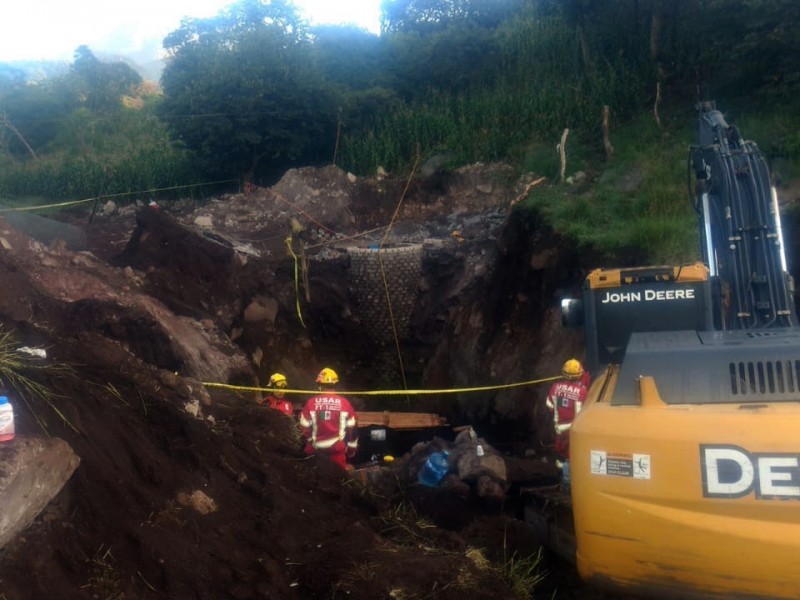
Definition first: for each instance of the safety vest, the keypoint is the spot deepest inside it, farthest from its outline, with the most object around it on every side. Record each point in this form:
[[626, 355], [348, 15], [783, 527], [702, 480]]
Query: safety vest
[[329, 423]]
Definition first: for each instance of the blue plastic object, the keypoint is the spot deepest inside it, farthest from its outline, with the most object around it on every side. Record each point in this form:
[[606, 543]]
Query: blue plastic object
[[434, 469], [6, 419], [566, 479]]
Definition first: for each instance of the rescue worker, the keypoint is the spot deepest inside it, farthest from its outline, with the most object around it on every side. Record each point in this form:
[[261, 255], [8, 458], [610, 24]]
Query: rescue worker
[[328, 422], [565, 400], [276, 399]]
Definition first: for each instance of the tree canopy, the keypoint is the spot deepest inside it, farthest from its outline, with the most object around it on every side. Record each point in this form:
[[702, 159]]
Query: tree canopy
[[242, 90], [255, 89]]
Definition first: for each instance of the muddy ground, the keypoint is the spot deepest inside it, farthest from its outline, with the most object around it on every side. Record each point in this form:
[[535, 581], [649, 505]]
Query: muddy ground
[[184, 492]]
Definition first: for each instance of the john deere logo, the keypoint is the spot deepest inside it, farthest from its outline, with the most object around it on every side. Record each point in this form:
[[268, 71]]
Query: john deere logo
[[733, 472], [647, 296]]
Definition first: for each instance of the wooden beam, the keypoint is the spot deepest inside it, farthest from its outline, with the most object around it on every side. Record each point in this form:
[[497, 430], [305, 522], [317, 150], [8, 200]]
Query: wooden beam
[[400, 420]]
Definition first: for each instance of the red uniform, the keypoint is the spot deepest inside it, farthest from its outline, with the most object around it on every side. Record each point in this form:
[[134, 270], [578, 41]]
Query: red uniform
[[565, 401], [279, 404], [329, 426]]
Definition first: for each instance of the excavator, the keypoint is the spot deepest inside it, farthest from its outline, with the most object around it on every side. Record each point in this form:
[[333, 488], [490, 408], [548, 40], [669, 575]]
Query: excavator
[[685, 461]]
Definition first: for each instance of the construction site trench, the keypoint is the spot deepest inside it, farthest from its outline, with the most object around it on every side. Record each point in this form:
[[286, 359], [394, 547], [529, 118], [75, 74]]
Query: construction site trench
[[165, 487]]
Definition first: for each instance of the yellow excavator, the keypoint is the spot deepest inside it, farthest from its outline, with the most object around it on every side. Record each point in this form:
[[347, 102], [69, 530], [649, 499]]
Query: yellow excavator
[[685, 461]]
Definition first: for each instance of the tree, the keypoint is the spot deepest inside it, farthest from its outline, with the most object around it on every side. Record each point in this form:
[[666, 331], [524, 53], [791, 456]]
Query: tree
[[242, 91], [745, 45], [443, 44], [102, 84], [428, 15], [32, 113], [354, 63]]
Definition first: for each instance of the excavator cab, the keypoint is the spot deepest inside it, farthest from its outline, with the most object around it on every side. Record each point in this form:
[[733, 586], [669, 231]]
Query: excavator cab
[[685, 461]]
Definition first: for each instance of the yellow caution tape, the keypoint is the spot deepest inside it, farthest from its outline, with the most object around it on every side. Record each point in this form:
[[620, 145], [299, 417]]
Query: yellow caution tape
[[104, 196], [487, 388]]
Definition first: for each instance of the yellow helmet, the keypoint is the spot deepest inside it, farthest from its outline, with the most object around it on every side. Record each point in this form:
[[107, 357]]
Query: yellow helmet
[[277, 380], [572, 369], [327, 376]]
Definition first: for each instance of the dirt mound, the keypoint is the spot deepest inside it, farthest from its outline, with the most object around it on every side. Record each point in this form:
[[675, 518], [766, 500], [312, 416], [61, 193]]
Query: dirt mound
[[165, 505]]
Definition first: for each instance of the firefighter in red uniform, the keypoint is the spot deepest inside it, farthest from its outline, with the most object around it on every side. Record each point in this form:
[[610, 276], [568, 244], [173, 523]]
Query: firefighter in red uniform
[[328, 422], [565, 400], [276, 399]]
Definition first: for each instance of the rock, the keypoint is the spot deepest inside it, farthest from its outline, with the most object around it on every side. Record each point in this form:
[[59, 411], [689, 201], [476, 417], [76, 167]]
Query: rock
[[193, 408], [261, 309], [434, 165], [198, 501], [110, 208], [544, 259], [204, 222], [490, 488], [470, 466], [34, 471], [47, 231], [576, 178]]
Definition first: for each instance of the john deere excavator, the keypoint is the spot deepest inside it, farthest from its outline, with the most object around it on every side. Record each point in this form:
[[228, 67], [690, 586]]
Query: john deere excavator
[[685, 461]]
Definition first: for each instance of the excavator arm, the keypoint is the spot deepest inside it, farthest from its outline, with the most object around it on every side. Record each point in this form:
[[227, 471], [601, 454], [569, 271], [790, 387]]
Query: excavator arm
[[740, 226]]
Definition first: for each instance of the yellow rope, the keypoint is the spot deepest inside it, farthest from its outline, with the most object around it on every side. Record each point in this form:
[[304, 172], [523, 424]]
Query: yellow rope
[[383, 272], [288, 241], [486, 388]]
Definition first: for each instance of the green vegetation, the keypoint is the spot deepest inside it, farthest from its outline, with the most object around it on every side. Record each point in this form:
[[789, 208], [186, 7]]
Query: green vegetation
[[20, 371], [256, 90], [523, 573]]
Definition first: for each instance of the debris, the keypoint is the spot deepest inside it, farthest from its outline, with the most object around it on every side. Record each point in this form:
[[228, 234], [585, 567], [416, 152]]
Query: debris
[[199, 501], [37, 352]]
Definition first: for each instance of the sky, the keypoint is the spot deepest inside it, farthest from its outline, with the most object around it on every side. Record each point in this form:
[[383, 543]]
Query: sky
[[53, 29]]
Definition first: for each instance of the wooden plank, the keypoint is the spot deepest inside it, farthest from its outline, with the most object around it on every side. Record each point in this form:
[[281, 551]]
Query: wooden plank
[[400, 420]]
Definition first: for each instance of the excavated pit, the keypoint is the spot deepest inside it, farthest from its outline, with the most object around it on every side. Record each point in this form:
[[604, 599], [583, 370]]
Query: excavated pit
[[171, 298]]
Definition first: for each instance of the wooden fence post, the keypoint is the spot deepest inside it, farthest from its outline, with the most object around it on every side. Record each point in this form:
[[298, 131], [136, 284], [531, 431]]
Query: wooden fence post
[[606, 140], [656, 103]]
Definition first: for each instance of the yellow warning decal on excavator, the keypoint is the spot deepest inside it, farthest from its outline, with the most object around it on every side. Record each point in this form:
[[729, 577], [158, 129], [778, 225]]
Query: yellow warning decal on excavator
[[620, 464]]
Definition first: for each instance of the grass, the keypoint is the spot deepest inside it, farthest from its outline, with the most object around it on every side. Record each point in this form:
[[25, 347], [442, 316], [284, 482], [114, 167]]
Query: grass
[[522, 573], [405, 526], [18, 371], [105, 580], [94, 156], [635, 209]]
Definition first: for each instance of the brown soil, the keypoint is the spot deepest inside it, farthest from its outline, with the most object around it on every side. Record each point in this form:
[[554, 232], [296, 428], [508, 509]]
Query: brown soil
[[285, 525]]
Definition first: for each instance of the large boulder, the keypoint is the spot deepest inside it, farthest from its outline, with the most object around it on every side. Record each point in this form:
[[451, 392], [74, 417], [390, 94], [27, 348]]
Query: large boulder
[[34, 471], [52, 288]]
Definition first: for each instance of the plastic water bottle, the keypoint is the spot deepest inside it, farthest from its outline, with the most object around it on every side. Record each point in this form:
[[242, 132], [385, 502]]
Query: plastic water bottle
[[565, 477], [434, 469], [6, 419]]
